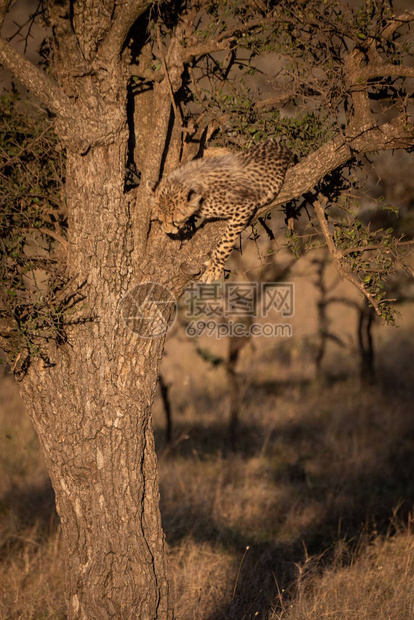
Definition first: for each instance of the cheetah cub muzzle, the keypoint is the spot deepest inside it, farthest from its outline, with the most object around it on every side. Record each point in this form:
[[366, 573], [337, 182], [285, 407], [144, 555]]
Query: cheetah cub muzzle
[[228, 187]]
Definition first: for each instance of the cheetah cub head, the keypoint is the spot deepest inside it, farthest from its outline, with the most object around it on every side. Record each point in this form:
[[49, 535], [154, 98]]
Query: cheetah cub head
[[173, 204]]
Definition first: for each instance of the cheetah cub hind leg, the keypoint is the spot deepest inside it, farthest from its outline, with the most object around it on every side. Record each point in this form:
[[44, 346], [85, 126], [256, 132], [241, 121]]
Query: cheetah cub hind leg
[[223, 250]]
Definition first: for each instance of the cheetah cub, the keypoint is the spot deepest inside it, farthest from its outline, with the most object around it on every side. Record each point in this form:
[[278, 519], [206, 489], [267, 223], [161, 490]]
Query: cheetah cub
[[227, 187]]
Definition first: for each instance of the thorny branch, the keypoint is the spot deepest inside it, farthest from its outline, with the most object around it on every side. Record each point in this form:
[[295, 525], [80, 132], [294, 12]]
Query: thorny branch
[[373, 246], [221, 42], [319, 205]]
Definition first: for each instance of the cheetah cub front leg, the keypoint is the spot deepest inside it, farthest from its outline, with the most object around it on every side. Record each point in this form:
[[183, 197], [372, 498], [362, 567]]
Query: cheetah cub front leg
[[215, 265]]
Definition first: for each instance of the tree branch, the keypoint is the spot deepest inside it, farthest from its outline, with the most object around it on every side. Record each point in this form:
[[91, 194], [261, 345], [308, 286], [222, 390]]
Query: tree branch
[[156, 137], [221, 42], [67, 44], [396, 22], [177, 111], [358, 71], [4, 7], [206, 48], [126, 18], [35, 80], [337, 255], [385, 70], [399, 134], [373, 246]]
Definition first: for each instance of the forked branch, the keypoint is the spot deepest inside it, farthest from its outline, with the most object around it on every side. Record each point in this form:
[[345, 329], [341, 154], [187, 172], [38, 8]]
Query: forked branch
[[124, 20]]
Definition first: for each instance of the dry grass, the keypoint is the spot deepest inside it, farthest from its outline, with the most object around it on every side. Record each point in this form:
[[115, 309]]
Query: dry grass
[[32, 577], [31, 559], [376, 585], [312, 491]]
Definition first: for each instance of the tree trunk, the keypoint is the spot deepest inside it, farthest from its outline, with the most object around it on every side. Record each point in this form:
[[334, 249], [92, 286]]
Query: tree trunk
[[99, 447], [91, 408], [366, 319]]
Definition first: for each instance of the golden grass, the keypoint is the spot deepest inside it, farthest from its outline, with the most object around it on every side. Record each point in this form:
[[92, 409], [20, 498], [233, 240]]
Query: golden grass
[[31, 558], [32, 576], [311, 492], [376, 585]]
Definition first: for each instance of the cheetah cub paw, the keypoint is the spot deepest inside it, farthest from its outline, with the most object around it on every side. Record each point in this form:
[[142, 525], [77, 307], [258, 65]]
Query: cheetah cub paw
[[212, 273]]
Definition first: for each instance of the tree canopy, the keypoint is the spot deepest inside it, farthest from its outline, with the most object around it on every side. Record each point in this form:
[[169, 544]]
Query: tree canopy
[[332, 82]]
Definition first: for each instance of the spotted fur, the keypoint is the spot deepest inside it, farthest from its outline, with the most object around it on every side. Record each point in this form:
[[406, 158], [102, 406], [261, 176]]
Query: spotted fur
[[230, 187]]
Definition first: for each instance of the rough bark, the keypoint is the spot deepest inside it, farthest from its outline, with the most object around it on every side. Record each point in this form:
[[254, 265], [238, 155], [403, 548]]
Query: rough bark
[[92, 414], [91, 408]]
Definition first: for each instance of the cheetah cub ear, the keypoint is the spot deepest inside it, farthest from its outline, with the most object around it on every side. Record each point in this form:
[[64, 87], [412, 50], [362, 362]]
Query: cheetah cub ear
[[194, 200], [188, 204]]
